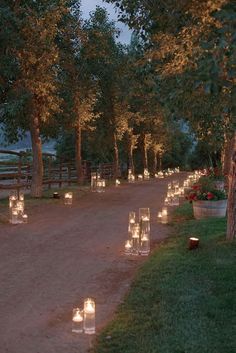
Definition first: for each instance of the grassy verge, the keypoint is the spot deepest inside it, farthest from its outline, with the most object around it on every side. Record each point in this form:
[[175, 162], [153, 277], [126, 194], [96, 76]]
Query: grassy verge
[[47, 198], [181, 301]]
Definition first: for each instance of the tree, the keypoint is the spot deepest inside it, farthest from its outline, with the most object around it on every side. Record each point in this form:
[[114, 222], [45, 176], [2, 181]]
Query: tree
[[105, 59], [34, 88], [193, 45], [77, 88]]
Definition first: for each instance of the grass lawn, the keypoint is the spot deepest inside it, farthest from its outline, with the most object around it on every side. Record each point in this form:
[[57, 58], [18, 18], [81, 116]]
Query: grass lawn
[[47, 198], [181, 301]]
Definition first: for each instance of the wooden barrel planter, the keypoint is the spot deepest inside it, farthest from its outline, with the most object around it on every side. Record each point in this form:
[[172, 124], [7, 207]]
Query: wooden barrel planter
[[205, 209]]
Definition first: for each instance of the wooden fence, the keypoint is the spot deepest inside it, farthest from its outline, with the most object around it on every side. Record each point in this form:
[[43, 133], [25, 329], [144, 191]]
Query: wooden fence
[[16, 170]]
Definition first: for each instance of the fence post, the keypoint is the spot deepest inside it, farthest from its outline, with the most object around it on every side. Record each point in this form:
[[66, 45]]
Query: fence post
[[60, 174]]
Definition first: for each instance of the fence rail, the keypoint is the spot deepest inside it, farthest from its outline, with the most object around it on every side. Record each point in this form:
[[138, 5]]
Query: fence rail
[[16, 172]]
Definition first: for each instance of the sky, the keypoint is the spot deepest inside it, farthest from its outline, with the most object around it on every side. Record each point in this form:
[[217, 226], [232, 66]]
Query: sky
[[90, 5]]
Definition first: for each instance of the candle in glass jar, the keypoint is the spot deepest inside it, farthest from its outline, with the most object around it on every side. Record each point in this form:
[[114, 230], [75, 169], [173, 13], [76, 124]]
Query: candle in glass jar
[[68, 197], [117, 182], [14, 216], [25, 218], [77, 320], [128, 247], [89, 316], [159, 217]]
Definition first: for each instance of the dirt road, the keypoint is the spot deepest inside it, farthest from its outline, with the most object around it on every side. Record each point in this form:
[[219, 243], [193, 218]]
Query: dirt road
[[66, 254]]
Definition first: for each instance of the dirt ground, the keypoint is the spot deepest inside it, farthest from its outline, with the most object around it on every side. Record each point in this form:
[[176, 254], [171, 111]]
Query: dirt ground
[[65, 254]]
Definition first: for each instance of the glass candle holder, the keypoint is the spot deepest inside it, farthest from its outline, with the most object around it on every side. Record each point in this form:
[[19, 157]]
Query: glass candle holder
[[12, 199], [167, 201], [144, 214], [103, 185], [175, 200], [146, 174], [77, 320], [99, 186], [25, 218], [21, 196], [135, 238], [140, 177], [68, 198], [144, 247], [93, 181], [164, 214], [128, 247], [14, 216], [145, 226], [89, 316], [132, 217], [131, 177], [159, 217], [117, 182]]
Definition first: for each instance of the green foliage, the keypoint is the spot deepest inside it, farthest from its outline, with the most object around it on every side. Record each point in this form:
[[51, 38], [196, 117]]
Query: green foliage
[[180, 298]]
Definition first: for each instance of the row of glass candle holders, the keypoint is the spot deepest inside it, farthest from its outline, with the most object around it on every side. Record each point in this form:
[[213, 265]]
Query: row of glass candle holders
[[139, 233], [17, 208], [174, 194], [83, 320], [146, 174], [97, 184]]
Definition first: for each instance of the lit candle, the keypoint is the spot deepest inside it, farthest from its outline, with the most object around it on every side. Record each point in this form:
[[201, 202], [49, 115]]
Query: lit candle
[[56, 195], [77, 320], [12, 200], [117, 182], [135, 238], [89, 316], [144, 248], [128, 247], [193, 243], [68, 198], [25, 218], [14, 216], [164, 218], [159, 217]]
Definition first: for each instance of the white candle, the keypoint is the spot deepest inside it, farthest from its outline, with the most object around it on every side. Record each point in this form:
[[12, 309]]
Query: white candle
[[89, 307], [78, 317], [25, 218], [77, 320], [89, 316], [117, 182]]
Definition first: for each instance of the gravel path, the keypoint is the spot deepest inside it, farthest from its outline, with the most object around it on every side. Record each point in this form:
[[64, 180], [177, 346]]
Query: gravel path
[[66, 254]]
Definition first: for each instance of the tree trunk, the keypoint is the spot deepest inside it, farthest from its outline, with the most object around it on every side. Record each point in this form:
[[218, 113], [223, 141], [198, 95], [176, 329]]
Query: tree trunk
[[130, 152], [37, 171], [160, 162], [116, 156], [231, 224], [154, 162], [226, 158], [78, 154], [144, 151]]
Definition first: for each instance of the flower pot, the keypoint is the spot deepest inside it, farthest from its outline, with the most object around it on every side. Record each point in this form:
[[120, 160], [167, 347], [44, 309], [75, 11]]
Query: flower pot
[[205, 209]]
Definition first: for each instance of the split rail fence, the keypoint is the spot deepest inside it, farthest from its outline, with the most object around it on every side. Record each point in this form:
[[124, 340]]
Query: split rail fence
[[16, 170]]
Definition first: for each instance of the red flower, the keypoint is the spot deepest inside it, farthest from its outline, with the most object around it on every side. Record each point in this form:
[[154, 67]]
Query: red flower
[[210, 196], [192, 196], [196, 187]]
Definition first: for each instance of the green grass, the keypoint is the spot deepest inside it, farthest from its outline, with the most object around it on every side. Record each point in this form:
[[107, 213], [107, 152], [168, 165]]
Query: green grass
[[181, 301], [47, 198]]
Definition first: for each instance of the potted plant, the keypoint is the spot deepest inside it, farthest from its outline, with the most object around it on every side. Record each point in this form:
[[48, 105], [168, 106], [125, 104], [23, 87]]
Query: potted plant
[[207, 200], [217, 177]]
